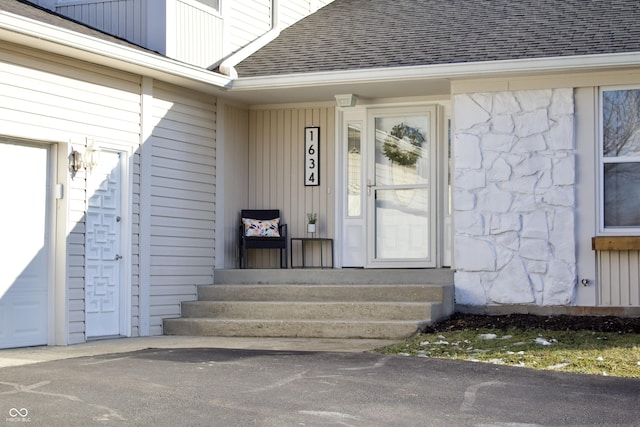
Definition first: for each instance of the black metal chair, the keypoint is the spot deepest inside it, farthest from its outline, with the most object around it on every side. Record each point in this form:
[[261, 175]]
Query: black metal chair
[[262, 242]]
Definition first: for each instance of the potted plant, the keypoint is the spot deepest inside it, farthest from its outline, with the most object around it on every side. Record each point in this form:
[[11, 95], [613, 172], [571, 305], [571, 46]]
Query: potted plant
[[312, 219]]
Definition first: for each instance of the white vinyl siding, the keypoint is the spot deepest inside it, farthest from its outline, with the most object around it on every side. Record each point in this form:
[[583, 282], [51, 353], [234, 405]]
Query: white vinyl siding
[[126, 19], [235, 187], [198, 35], [619, 279], [247, 20], [185, 30], [293, 11], [43, 98], [182, 200], [276, 172]]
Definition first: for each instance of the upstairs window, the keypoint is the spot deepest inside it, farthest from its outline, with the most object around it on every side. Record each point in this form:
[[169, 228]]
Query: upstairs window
[[620, 157]]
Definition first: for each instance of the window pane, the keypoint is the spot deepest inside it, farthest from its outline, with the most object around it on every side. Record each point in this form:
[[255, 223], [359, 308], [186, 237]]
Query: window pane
[[354, 168], [402, 224], [401, 150], [622, 195], [621, 122]]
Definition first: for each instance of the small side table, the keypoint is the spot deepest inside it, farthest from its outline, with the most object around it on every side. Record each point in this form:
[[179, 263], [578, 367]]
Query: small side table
[[303, 241]]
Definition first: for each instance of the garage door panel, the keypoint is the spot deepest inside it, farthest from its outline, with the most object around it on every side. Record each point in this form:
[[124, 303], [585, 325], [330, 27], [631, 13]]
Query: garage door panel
[[24, 246]]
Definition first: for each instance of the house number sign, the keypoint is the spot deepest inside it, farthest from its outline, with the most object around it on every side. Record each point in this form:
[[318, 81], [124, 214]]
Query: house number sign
[[311, 156]]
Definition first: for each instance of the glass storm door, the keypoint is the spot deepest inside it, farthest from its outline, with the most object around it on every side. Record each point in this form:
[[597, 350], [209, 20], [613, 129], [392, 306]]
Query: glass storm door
[[401, 190]]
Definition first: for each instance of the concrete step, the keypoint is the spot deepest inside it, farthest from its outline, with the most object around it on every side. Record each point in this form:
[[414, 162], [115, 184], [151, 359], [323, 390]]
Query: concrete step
[[291, 328], [281, 310], [329, 292], [345, 303], [435, 276]]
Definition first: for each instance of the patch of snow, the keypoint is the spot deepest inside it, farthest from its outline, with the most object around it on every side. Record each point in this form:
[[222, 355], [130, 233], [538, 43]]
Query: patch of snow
[[542, 341], [559, 366], [488, 336]]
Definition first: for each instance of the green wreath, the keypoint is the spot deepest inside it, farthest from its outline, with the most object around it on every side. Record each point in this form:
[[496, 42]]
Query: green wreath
[[399, 155]]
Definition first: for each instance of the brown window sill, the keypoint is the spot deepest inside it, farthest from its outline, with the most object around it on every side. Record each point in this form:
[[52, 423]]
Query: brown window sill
[[615, 243]]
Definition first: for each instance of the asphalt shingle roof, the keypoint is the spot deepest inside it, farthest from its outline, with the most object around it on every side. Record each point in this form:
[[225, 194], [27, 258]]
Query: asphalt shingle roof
[[369, 34]]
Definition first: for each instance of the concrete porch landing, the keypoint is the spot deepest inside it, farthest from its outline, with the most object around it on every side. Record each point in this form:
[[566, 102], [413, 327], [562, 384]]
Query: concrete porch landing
[[317, 303]]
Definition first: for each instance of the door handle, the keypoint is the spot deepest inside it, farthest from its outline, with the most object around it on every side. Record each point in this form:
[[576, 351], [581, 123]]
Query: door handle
[[118, 257], [369, 185]]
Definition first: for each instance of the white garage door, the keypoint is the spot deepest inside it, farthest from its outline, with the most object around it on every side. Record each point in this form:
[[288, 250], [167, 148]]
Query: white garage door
[[24, 253]]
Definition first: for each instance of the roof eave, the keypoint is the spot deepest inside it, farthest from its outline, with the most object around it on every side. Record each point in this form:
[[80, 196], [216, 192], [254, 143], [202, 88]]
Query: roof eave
[[444, 71], [42, 36]]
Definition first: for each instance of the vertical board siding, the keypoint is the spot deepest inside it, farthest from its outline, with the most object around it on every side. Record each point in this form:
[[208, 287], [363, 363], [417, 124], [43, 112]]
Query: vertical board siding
[[236, 196], [276, 173], [198, 34], [182, 199], [123, 18], [619, 278], [44, 98]]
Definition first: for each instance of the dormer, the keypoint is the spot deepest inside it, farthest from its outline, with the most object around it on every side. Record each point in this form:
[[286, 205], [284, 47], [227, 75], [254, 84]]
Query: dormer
[[198, 32]]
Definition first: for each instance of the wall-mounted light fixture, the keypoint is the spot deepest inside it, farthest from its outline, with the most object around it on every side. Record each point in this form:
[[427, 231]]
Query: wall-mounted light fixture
[[347, 100], [87, 160], [75, 161]]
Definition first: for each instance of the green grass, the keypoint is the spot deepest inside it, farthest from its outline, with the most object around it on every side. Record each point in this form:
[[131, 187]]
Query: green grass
[[586, 352]]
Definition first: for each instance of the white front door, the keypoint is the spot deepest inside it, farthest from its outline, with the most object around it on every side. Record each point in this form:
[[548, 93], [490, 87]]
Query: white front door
[[389, 176], [103, 281], [24, 245]]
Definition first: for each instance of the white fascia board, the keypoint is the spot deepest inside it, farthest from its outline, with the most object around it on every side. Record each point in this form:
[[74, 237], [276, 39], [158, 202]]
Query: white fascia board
[[444, 71], [42, 36]]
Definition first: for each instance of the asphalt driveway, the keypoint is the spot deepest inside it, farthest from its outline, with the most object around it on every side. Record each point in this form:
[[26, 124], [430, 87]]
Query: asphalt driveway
[[226, 387]]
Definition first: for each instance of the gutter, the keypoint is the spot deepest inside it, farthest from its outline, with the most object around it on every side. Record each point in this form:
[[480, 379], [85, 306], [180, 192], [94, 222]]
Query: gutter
[[227, 66], [39, 35], [443, 71]]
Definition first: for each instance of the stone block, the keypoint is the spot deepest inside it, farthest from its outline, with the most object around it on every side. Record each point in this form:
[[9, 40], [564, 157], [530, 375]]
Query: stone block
[[531, 123], [503, 223], [505, 103], [472, 254], [512, 285], [535, 249], [469, 222], [560, 288], [469, 289], [531, 100], [467, 153], [535, 225], [463, 200], [469, 179], [529, 144], [498, 142], [562, 103], [492, 199], [502, 124], [561, 134], [468, 112], [564, 171], [499, 171]]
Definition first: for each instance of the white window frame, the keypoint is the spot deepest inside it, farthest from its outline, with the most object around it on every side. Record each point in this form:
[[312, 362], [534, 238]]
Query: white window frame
[[602, 161]]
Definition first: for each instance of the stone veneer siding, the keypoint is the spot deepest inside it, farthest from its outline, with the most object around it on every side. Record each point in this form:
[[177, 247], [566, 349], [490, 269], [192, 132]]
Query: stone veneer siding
[[514, 198]]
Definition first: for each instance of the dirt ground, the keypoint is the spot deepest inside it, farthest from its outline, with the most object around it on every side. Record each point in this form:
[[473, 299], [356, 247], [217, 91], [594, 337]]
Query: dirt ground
[[460, 321]]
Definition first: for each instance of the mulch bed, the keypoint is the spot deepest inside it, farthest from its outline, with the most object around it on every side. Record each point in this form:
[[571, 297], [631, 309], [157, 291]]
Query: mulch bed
[[462, 321]]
